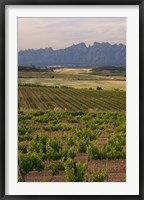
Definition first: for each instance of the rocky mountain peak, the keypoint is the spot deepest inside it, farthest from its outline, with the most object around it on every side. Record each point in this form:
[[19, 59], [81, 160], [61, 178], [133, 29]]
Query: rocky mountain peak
[[99, 54]]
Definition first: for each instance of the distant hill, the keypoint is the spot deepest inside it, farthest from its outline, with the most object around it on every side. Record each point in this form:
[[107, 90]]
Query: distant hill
[[34, 69], [99, 54], [109, 71]]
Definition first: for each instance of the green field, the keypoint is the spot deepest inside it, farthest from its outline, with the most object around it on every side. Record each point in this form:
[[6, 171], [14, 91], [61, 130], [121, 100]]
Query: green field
[[71, 134]]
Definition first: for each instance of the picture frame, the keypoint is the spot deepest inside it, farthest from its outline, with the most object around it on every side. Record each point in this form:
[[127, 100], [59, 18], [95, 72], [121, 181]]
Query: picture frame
[[3, 100]]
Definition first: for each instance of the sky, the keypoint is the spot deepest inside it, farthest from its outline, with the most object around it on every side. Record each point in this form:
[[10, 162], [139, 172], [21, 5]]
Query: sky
[[59, 33]]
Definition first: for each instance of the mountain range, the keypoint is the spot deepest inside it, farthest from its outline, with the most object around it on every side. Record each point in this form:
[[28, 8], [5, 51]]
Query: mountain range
[[99, 54]]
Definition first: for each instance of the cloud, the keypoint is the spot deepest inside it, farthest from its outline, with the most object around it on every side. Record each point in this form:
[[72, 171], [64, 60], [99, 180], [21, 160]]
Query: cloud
[[62, 32]]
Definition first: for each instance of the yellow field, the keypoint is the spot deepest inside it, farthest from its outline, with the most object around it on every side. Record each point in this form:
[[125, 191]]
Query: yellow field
[[73, 70], [76, 78]]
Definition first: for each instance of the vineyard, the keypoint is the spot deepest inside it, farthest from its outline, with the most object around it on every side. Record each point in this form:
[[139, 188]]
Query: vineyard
[[70, 99], [73, 135]]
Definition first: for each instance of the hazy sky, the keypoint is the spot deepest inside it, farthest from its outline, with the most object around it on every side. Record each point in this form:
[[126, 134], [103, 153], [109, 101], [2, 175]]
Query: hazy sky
[[35, 33]]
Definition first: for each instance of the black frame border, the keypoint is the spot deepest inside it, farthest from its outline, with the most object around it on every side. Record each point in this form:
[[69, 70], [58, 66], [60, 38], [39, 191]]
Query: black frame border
[[3, 3]]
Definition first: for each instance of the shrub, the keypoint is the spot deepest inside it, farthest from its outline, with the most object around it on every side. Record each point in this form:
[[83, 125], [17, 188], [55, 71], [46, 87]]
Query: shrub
[[60, 165], [53, 167], [77, 113], [22, 148], [51, 76], [86, 117], [70, 141], [93, 152], [64, 153], [38, 144], [23, 130], [26, 137], [54, 149], [42, 119], [99, 88], [75, 172], [37, 113], [113, 149], [29, 162], [56, 166], [57, 127], [24, 163], [99, 175], [82, 146], [22, 116], [36, 161], [94, 135], [19, 179], [71, 152], [73, 120]]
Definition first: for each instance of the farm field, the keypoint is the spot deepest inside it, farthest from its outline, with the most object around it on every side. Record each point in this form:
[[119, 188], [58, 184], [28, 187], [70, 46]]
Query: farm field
[[70, 99], [71, 134], [73, 77]]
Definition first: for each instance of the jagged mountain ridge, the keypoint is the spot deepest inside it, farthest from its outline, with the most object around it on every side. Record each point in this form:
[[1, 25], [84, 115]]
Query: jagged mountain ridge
[[99, 54]]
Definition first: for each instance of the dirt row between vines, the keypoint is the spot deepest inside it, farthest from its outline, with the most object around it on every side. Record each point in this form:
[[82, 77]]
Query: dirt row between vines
[[116, 171]]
